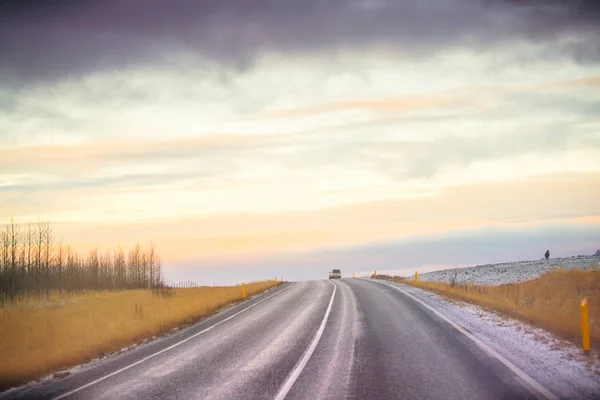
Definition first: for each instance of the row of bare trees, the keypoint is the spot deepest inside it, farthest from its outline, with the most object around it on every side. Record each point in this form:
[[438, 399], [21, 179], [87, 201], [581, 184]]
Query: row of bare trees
[[33, 263]]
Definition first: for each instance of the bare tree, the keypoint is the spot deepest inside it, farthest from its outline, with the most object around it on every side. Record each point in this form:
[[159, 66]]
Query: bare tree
[[120, 272], [47, 251], [32, 263], [151, 258], [39, 244], [59, 266], [29, 243], [4, 262], [14, 237]]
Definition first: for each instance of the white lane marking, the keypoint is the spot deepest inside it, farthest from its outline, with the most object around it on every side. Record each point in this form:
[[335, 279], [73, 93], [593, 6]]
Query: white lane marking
[[168, 348], [533, 384], [296, 372]]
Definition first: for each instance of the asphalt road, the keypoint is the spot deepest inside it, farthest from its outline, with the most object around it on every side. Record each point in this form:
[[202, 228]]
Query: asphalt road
[[349, 338]]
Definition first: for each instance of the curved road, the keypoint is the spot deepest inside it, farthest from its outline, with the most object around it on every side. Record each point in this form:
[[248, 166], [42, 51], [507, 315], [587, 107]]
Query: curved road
[[349, 338]]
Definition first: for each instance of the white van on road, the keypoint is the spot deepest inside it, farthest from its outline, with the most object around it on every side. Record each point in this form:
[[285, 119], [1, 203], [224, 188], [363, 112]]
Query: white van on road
[[335, 273]]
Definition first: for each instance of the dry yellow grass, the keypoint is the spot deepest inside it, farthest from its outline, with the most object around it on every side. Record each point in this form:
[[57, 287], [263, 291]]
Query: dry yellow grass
[[40, 337], [551, 301]]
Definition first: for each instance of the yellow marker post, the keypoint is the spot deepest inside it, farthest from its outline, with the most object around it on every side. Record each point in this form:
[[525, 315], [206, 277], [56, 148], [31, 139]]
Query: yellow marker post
[[244, 291], [417, 278], [375, 274], [585, 326]]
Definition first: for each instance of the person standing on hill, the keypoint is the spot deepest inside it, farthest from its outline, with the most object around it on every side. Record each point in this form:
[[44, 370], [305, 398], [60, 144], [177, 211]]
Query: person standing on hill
[[547, 255]]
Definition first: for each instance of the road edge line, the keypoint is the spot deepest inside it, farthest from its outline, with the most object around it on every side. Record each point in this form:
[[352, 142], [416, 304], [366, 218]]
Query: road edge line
[[533, 384], [87, 385], [293, 376]]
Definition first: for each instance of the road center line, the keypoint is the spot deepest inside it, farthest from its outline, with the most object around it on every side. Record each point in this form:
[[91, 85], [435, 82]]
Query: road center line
[[532, 384], [168, 348], [313, 345]]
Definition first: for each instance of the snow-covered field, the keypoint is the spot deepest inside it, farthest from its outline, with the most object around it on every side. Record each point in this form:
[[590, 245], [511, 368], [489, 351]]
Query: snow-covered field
[[497, 274]]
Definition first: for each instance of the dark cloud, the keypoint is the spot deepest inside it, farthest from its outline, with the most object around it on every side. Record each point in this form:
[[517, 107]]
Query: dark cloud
[[41, 40]]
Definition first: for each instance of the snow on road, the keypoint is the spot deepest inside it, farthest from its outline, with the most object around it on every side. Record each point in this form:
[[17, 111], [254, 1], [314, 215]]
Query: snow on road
[[497, 274]]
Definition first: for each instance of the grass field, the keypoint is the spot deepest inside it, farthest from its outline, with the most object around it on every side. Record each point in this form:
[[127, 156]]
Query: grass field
[[39, 337], [551, 301]]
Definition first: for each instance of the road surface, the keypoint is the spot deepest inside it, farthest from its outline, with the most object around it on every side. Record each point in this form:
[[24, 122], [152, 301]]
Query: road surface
[[348, 338]]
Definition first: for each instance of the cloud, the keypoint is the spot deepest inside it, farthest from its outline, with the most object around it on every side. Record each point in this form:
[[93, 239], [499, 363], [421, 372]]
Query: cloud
[[219, 156], [426, 158], [392, 104], [39, 42], [182, 230], [416, 150]]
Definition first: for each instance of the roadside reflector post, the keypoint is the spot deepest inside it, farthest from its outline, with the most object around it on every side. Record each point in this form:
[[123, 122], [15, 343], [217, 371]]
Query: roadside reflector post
[[585, 326], [244, 291], [417, 278]]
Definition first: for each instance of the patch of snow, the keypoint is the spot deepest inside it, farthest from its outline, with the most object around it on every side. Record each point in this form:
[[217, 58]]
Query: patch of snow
[[498, 274], [558, 365]]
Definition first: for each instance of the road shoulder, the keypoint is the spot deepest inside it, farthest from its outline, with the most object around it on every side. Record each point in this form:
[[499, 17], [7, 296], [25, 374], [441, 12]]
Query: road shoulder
[[556, 364]]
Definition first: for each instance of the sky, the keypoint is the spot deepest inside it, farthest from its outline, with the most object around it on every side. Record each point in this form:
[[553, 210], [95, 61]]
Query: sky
[[255, 138]]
